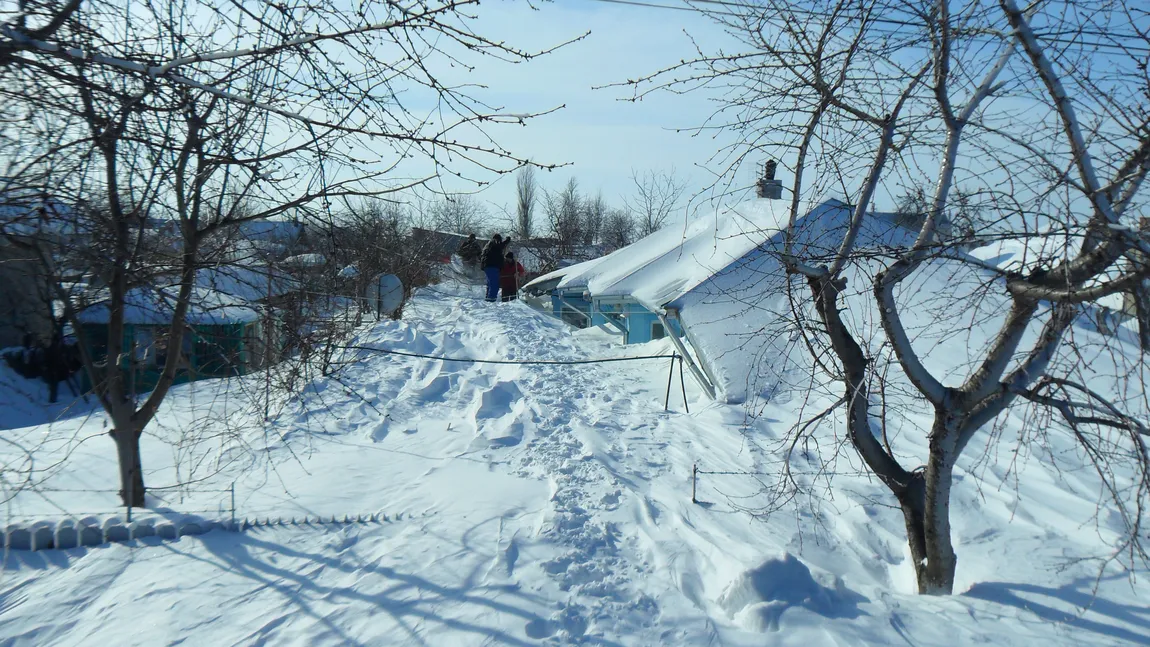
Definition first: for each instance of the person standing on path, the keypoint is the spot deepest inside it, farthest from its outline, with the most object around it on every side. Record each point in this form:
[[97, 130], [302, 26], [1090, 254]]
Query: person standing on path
[[493, 254], [510, 277]]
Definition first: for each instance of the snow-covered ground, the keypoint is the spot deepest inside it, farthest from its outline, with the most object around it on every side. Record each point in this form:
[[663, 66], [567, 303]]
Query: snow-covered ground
[[529, 504]]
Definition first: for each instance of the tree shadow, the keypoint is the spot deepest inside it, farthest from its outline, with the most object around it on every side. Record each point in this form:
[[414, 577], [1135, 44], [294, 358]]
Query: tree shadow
[[25, 403], [412, 601], [1078, 594]]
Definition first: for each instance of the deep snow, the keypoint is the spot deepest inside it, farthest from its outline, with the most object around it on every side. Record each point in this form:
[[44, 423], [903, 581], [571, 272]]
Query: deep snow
[[540, 504]]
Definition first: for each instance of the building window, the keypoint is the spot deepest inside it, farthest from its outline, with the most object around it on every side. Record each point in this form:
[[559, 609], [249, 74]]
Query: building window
[[657, 330], [142, 349]]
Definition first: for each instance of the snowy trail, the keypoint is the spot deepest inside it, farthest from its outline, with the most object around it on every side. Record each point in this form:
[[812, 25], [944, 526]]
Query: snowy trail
[[540, 504], [564, 424]]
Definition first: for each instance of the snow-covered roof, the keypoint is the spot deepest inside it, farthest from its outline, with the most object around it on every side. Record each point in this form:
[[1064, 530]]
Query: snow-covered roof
[[304, 260], [26, 215], [721, 272], [1024, 253], [667, 264], [280, 231], [247, 282], [1043, 251], [146, 305]]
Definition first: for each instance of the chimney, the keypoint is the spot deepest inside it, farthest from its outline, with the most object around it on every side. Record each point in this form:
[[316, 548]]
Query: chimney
[[768, 187]]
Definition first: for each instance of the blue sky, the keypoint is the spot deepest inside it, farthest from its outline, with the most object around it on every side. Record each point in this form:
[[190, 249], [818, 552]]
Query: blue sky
[[600, 136]]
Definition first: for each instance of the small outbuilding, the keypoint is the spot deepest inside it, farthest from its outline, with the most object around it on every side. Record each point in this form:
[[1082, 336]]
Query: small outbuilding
[[710, 284], [224, 335]]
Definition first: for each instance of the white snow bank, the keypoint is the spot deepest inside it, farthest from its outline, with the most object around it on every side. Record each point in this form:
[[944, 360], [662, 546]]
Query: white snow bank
[[759, 598], [551, 504]]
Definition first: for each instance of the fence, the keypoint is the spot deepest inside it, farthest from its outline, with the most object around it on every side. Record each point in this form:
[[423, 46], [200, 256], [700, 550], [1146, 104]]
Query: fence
[[88, 529]]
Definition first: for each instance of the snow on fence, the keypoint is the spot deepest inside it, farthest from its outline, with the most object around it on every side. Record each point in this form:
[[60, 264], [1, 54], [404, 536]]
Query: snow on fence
[[83, 529], [93, 531]]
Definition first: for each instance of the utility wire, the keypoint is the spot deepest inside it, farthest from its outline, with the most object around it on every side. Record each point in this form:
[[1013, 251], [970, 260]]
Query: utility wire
[[1045, 37], [521, 362]]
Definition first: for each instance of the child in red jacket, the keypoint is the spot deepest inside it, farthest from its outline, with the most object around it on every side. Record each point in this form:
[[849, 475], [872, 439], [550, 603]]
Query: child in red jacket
[[510, 276]]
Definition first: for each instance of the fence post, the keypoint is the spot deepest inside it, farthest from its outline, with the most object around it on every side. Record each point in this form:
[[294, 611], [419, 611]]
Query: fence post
[[694, 481], [233, 491], [667, 402], [683, 384]]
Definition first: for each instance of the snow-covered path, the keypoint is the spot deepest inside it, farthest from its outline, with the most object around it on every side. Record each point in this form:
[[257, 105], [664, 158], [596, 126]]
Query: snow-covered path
[[536, 504]]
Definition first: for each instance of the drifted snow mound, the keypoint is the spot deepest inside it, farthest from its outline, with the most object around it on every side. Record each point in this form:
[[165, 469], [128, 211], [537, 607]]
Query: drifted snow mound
[[758, 598]]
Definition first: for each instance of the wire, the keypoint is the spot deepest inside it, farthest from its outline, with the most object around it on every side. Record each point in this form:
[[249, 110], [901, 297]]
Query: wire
[[1047, 37], [523, 362]]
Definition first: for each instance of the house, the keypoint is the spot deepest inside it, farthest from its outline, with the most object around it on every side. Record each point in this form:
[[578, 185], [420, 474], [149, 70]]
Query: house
[[26, 296], [32, 228], [224, 335], [707, 284], [439, 245], [251, 283], [1044, 249]]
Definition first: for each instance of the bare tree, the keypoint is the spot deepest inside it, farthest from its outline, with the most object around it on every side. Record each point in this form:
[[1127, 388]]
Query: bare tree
[[961, 220], [657, 196], [460, 213], [565, 217], [618, 229], [525, 190], [860, 94], [594, 216], [374, 237], [180, 111]]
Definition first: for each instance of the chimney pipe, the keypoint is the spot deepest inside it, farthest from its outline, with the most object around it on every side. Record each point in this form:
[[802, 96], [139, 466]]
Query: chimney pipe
[[768, 187]]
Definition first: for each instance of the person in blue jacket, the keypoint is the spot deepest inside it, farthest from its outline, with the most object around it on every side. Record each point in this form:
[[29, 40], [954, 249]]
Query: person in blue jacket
[[493, 258]]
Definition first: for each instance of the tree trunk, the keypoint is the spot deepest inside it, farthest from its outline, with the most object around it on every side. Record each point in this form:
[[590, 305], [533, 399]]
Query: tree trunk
[[937, 577], [926, 509], [131, 470]]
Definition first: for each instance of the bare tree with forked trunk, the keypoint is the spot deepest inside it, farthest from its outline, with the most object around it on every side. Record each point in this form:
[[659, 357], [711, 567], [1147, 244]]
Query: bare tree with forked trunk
[[195, 116], [1050, 126]]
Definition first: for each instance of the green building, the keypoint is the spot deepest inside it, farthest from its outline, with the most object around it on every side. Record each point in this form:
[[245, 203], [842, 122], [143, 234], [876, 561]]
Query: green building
[[225, 336]]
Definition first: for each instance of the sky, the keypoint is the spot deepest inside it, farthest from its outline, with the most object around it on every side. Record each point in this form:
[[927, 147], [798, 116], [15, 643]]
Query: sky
[[598, 134]]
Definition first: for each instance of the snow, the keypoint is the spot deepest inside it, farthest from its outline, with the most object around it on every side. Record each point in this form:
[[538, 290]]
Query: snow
[[304, 260], [146, 306], [250, 283], [26, 214], [539, 504], [1044, 250]]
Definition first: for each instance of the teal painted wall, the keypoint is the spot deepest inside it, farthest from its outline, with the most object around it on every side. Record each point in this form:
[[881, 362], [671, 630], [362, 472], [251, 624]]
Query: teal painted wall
[[211, 351]]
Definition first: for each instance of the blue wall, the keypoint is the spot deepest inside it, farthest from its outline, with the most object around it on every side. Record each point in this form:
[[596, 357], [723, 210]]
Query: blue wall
[[563, 310], [638, 320]]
